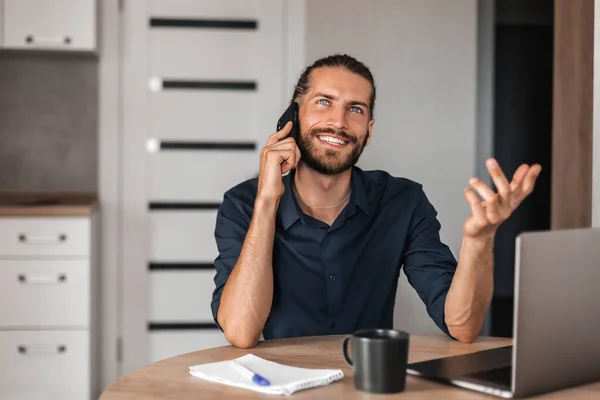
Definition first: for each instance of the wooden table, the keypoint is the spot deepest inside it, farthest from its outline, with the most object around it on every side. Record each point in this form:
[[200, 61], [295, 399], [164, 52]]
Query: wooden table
[[169, 379]]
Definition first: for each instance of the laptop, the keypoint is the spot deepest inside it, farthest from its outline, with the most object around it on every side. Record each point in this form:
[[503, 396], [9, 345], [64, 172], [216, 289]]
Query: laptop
[[556, 331]]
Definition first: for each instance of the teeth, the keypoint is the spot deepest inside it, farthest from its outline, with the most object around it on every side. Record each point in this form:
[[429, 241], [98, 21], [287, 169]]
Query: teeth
[[331, 140]]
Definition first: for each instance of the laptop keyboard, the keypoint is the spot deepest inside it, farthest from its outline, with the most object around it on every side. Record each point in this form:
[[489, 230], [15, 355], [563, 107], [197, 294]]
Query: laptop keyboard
[[500, 376]]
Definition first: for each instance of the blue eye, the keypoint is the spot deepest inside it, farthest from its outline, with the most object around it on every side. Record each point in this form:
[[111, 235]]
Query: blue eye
[[356, 109], [326, 102]]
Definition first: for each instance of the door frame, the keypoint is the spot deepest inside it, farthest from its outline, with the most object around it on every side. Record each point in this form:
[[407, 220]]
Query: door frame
[[574, 112], [109, 189], [596, 121]]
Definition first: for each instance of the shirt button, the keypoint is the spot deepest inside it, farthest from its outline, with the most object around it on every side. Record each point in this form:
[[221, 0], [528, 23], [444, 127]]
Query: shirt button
[[332, 277], [332, 324]]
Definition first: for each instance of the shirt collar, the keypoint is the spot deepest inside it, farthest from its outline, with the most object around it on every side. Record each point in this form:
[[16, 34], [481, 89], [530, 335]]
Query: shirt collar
[[359, 191], [288, 208], [290, 211]]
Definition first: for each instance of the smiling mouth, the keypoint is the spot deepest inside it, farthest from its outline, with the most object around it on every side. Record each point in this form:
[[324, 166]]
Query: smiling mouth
[[332, 140]]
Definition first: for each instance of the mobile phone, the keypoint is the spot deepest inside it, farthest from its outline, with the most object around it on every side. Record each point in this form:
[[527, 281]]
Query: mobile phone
[[290, 114]]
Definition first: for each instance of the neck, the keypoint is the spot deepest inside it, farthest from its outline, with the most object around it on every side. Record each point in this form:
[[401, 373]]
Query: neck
[[320, 190]]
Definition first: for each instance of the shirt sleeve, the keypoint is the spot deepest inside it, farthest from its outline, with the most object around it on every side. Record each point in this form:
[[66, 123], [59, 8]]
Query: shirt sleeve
[[428, 263], [230, 231]]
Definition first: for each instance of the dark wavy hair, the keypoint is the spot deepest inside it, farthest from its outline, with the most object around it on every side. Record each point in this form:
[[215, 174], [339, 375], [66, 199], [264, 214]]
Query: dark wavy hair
[[341, 61]]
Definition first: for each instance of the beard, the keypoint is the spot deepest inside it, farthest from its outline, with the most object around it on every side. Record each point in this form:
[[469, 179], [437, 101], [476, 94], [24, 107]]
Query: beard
[[332, 162]]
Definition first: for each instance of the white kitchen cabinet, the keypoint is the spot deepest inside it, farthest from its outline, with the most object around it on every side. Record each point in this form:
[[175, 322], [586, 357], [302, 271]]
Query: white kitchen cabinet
[[45, 290], [58, 236], [49, 25], [45, 364], [48, 324]]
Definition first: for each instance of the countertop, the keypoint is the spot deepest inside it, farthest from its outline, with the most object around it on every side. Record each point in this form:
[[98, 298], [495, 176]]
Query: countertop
[[47, 204]]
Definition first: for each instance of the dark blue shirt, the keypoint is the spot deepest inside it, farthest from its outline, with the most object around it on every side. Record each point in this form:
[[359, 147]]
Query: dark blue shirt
[[340, 278]]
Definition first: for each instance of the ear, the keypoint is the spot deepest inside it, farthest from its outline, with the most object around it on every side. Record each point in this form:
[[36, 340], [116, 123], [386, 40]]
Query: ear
[[369, 131]]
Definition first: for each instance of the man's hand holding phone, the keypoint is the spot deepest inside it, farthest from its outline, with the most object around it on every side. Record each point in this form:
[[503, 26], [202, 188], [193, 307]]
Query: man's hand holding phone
[[279, 156], [248, 293]]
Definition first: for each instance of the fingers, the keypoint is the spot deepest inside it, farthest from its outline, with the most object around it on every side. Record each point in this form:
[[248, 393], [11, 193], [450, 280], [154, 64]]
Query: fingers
[[283, 153], [495, 208], [529, 180], [524, 181], [491, 205], [484, 191], [476, 207], [498, 177], [518, 178], [287, 144], [277, 136], [286, 159]]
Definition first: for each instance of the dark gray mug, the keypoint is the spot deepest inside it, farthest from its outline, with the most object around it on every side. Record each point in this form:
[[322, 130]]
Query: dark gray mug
[[379, 358]]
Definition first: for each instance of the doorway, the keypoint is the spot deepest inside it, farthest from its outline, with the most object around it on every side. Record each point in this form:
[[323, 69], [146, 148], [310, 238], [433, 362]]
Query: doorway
[[523, 87]]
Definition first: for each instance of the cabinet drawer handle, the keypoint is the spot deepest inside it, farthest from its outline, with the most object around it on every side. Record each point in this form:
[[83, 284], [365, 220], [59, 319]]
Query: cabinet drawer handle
[[56, 40], [42, 239], [42, 350], [42, 279]]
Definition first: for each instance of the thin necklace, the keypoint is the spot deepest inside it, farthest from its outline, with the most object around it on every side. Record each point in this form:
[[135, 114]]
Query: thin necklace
[[318, 208]]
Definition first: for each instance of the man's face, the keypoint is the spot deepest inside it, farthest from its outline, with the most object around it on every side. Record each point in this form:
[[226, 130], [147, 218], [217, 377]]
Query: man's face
[[334, 120]]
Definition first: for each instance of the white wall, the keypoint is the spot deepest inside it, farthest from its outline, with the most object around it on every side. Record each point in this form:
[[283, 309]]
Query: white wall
[[423, 54]]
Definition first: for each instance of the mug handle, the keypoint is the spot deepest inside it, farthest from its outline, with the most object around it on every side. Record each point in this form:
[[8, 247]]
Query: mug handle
[[345, 351]]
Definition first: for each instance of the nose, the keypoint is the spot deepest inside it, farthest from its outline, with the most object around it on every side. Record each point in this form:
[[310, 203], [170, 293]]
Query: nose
[[337, 119]]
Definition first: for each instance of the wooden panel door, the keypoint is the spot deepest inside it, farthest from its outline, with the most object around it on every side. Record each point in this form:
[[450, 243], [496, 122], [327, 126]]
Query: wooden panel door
[[203, 89]]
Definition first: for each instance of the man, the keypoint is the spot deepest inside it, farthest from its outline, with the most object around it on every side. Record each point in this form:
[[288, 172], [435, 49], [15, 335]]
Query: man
[[319, 251]]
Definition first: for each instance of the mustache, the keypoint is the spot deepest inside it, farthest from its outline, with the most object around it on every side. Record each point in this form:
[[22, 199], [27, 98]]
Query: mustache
[[336, 132]]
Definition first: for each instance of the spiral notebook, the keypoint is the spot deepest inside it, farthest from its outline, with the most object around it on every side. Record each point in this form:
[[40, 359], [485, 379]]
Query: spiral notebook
[[284, 379]]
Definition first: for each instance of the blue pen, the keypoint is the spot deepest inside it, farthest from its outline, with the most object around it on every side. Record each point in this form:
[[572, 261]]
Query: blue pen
[[256, 378]]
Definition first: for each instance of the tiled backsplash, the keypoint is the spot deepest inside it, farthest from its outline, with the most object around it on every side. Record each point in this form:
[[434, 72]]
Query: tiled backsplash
[[48, 122]]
